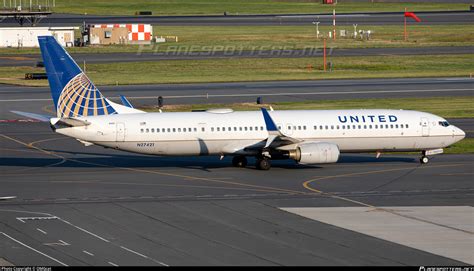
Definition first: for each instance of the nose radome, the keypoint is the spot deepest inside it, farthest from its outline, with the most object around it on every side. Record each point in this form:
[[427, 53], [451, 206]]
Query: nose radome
[[459, 133]]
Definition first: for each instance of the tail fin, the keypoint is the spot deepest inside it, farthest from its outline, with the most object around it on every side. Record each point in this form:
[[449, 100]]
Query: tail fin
[[73, 92]]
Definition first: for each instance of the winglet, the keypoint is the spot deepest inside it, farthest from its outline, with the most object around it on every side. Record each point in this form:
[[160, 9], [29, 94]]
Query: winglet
[[125, 101], [271, 126]]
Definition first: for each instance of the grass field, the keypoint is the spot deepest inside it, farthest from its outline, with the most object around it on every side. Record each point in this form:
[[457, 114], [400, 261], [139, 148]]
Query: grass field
[[234, 70], [222, 38], [234, 7], [454, 107]]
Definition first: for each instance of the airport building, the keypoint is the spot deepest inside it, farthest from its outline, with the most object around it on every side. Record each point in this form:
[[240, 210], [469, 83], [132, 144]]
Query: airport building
[[18, 37], [102, 34]]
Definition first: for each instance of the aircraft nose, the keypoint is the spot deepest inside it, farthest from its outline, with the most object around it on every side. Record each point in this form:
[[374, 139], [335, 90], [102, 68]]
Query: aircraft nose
[[460, 134]]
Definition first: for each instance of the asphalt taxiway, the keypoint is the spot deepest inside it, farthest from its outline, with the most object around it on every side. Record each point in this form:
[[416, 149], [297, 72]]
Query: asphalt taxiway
[[379, 18], [62, 203], [178, 53], [38, 99], [92, 206]]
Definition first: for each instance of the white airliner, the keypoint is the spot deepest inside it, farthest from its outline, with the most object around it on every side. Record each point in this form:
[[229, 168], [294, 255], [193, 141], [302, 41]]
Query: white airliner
[[306, 136]]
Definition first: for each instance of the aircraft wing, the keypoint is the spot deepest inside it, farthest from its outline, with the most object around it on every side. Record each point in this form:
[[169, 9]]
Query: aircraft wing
[[275, 137]]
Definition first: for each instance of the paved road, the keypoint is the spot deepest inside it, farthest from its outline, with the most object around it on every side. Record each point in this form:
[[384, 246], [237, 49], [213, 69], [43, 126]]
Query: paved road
[[384, 18], [182, 54], [94, 206]]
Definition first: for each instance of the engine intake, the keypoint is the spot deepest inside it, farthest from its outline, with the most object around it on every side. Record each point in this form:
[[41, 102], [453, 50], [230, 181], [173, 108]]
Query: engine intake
[[315, 153]]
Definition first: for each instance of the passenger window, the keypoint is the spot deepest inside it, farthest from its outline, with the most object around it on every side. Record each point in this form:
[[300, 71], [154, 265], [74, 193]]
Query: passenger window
[[320, 127], [218, 129], [370, 126], [304, 127], [299, 127], [406, 125], [152, 130], [289, 127], [332, 127], [240, 128], [391, 126], [343, 127], [376, 126], [315, 127], [174, 130], [195, 129], [141, 130], [279, 128], [386, 126], [169, 130], [179, 130], [327, 127], [250, 128], [147, 130], [184, 129], [256, 128], [396, 125], [212, 129], [337, 127], [246, 128], [235, 128]]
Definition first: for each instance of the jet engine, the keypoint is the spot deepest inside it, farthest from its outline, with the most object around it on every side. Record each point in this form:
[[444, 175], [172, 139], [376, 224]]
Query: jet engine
[[315, 153]]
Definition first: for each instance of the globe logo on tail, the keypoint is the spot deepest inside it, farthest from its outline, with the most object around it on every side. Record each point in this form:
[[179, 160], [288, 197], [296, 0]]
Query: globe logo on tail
[[81, 98]]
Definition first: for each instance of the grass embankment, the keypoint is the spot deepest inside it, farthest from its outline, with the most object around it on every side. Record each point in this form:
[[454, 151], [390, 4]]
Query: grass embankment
[[455, 107], [226, 38], [235, 70], [213, 7]]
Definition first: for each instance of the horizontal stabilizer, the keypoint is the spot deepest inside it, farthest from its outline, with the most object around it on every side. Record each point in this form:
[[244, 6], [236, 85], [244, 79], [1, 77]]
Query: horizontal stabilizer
[[39, 117], [70, 122]]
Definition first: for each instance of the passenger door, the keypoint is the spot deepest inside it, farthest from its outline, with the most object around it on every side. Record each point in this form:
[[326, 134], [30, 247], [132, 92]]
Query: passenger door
[[120, 132], [425, 128]]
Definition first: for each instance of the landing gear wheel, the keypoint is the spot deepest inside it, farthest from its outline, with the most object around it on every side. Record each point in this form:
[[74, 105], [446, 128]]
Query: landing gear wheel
[[424, 159], [263, 164], [239, 161]]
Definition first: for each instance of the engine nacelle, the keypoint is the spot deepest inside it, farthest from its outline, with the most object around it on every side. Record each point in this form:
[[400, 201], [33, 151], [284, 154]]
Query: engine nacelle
[[315, 153]]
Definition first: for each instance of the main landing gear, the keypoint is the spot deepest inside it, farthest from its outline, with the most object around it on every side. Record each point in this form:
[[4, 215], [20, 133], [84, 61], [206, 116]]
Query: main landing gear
[[262, 163], [239, 161]]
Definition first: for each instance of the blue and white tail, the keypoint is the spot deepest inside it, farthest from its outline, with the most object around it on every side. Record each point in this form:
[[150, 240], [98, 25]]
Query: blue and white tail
[[73, 93]]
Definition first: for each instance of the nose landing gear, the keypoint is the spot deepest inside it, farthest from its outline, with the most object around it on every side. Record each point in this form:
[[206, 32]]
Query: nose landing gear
[[424, 159]]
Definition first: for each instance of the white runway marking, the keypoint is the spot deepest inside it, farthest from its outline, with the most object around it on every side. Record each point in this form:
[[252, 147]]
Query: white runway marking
[[88, 253], [111, 263], [37, 251], [40, 230], [144, 256], [442, 230]]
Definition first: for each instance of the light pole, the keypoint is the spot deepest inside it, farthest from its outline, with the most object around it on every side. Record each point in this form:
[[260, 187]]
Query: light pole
[[317, 29]]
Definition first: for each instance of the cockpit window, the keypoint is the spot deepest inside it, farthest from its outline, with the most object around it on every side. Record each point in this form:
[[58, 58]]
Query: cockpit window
[[444, 123]]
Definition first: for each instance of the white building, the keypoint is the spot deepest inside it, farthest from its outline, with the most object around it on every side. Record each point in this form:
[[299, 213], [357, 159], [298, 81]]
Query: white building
[[28, 36]]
